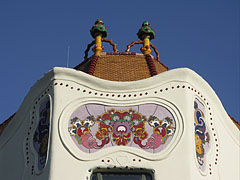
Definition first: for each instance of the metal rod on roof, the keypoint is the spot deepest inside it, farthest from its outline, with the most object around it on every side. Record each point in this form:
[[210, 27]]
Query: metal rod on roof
[[68, 54]]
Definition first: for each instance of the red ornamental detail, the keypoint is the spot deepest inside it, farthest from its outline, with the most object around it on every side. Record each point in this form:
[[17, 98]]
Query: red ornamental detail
[[151, 65], [93, 65]]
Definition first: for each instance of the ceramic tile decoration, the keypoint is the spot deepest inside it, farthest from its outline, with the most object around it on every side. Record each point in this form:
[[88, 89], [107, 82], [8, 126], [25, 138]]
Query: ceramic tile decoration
[[149, 127]]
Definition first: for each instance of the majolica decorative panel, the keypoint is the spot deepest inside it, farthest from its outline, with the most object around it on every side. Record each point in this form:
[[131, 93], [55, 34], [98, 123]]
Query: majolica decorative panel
[[41, 135], [149, 127], [202, 138]]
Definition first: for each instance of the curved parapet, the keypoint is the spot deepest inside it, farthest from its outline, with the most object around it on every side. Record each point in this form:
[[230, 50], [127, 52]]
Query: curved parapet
[[73, 122]]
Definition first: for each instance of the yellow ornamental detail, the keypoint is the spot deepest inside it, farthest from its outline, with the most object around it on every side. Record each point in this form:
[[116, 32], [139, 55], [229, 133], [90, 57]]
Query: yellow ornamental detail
[[98, 48], [199, 147], [146, 46]]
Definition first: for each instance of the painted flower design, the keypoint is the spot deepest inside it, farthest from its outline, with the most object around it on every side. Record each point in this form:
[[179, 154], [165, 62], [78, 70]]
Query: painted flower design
[[122, 128], [121, 125]]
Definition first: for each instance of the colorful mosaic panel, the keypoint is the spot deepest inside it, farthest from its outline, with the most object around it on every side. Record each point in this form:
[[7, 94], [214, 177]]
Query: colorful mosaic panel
[[41, 135], [149, 127], [202, 137]]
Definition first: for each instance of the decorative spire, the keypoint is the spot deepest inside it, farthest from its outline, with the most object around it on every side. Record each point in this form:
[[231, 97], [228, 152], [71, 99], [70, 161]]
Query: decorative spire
[[146, 34], [98, 32]]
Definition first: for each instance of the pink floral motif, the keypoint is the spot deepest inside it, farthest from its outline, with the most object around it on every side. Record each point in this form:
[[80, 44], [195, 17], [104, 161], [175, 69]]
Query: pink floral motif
[[89, 142], [154, 141]]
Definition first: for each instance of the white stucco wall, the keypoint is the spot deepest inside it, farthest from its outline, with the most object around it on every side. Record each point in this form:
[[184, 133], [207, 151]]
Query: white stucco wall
[[176, 89]]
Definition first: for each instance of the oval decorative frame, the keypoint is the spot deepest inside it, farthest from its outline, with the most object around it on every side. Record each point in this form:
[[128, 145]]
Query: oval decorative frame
[[40, 137], [75, 128], [202, 138]]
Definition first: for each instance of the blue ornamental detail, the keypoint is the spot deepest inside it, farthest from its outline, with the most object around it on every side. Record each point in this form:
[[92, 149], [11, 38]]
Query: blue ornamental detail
[[41, 135], [202, 137]]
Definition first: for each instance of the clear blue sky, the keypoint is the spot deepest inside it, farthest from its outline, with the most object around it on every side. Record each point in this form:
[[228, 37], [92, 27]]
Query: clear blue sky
[[201, 35]]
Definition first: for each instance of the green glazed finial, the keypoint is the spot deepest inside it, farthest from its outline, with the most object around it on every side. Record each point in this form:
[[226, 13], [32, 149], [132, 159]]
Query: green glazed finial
[[99, 29], [146, 30]]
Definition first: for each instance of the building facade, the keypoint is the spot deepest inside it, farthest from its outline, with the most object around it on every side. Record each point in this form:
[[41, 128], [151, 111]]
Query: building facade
[[120, 116]]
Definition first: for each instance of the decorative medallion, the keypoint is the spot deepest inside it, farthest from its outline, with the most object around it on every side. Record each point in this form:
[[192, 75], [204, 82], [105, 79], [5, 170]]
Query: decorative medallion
[[202, 137], [41, 135], [149, 127]]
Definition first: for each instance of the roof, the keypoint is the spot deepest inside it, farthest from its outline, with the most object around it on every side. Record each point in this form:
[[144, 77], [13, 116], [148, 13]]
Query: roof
[[235, 122], [5, 123], [123, 66]]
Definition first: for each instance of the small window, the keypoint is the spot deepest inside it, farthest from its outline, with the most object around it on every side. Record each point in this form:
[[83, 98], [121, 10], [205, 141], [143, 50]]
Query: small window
[[124, 175]]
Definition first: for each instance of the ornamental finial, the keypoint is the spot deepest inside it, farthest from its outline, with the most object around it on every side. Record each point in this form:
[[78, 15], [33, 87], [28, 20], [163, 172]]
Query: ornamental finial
[[98, 32], [145, 31], [99, 29]]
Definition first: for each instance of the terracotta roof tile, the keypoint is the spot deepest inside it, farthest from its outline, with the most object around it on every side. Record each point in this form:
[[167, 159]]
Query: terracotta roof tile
[[121, 67]]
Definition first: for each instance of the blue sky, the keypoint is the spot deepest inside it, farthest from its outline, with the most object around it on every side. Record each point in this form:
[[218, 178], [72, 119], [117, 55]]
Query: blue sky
[[201, 35]]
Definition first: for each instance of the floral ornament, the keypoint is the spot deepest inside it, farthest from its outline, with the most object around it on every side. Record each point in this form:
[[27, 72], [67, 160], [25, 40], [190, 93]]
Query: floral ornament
[[162, 130], [202, 137], [122, 128], [121, 125], [80, 129]]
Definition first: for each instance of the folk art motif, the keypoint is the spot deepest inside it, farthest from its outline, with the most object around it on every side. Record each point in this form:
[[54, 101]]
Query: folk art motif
[[149, 127], [202, 137], [41, 135]]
